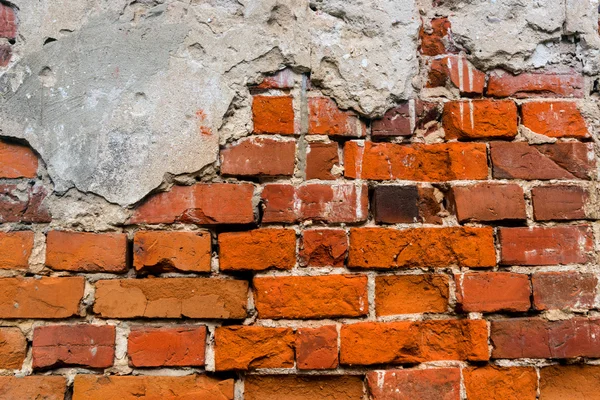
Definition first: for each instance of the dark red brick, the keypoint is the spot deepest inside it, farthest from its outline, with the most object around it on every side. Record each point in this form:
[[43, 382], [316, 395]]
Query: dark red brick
[[488, 202], [23, 205], [411, 384], [560, 202], [494, 291], [259, 156], [503, 84], [406, 204], [564, 290], [323, 248], [320, 159]]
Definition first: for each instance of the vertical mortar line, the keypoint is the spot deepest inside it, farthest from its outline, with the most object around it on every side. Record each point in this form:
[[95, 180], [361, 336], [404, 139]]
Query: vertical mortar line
[[302, 144], [209, 355], [238, 388]]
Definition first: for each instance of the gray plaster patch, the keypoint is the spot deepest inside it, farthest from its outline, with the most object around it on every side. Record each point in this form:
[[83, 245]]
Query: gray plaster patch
[[113, 94]]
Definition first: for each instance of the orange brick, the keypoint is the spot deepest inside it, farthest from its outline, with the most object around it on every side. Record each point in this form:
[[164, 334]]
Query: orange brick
[[555, 119], [257, 250], [480, 119], [494, 291], [171, 298], [251, 347], [421, 247], [458, 71], [157, 251], [259, 156], [102, 387], [317, 348], [17, 161], [409, 294], [415, 162], [87, 252], [369, 343], [325, 118], [323, 247], [434, 42], [13, 349], [204, 204], [33, 387], [304, 297], [502, 84], [576, 382], [181, 346], [313, 387], [273, 114], [40, 298], [495, 383], [320, 159], [15, 249], [410, 384]]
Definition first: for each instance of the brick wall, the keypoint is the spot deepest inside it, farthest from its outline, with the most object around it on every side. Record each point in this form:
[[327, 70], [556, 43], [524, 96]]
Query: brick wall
[[444, 251]]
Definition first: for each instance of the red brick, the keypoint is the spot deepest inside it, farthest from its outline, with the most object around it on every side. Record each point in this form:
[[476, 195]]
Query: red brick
[[251, 347], [488, 202], [573, 382], [5, 55], [369, 343], [86, 252], [555, 119], [33, 387], [410, 384], [317, 348], [16, 161], [23, 205], [330, 203], [306, 297], [40, 298], [205, 204], [563, 160], [323, 248], [257, 250], [415, 162], [421, 248], [290, 387], [503, 84], [495, 383], [325, 118], [8, 22], [457, 71], [15, 249], [410, 294], [259, 156], [480, 119], [283, 79], [406, 204], [73, 345], [560, 202], [494, 291], [320, 159], [171, 298], [13, 348], [396, 121], [273, 114], [157, 251], [539, 338], [180, 346], [546, 245], [197, 387], [564, 290], [438, 40]]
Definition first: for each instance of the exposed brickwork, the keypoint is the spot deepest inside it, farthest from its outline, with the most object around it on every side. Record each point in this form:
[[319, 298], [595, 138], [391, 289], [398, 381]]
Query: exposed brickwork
[[480, 119], [162, 347], [16, 161], [443, 384]]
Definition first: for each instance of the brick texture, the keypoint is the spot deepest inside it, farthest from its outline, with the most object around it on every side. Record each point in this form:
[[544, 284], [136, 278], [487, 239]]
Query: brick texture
[[170, 346], [13, 348], [443, 384]]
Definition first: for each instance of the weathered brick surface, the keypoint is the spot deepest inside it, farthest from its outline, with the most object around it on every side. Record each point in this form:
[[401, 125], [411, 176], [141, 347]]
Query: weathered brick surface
[[323, 247], [317, 348], [564, 290], [16, 161], [206, 204], [395, 122], [273, 387], [321, 158], [201, 387], [555, 119], [257, 250], [330, 203], [181, 346], [539, 338], [442, 384], [434, 41], [494, 383], [273, 114], [73, 345], [87, 252], [421, 247], [325, 118], [27, 205], [157, 251], [494, 291], [560, 202], [40, 298], [370, 343], [577, 382], [480, 119], [8, 22], [488, 202], [171, 298], [415, 162], [457, 71], [259, 156], [405, 204], [502, 84], [546, 245], [409, 294], [15, 249], [311, 296], [33, 387], [13, 348], [250, 347]]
